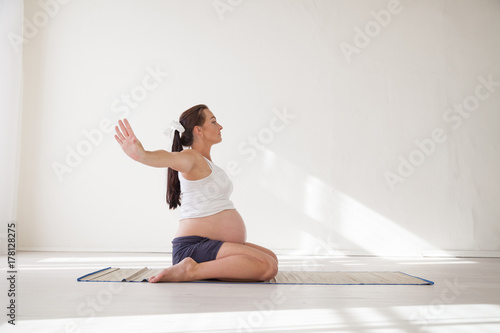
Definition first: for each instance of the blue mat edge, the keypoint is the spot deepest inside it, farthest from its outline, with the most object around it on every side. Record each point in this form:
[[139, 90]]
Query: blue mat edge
[[429, 282]]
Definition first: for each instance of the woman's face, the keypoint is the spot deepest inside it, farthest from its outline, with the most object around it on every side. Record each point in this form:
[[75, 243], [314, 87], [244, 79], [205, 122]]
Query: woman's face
[[211, 128]]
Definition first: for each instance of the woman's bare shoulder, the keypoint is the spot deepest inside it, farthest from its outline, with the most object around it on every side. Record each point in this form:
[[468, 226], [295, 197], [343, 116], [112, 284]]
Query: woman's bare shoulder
[[193, 156], [199, 167]]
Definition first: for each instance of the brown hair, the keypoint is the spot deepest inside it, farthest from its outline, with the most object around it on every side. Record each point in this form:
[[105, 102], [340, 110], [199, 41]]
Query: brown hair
[[189, 119]]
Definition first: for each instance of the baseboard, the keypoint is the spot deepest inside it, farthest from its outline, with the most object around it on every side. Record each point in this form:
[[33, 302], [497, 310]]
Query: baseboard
[[462, 254], [286, 252], [422, 254], [92, 250]]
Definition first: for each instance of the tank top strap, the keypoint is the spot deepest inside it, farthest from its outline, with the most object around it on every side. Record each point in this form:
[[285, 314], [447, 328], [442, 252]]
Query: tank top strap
[[210, 164]]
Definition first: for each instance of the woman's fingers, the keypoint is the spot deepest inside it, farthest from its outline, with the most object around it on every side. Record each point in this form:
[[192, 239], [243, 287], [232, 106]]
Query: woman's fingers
[[128, 127], [119, 134], [124, 130]]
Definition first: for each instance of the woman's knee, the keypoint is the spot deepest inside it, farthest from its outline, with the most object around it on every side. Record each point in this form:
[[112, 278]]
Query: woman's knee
[[275, 257], [263, 249], [269, 269]]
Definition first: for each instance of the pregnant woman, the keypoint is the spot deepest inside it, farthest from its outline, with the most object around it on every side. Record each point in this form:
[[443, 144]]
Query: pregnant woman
[[210, 242]]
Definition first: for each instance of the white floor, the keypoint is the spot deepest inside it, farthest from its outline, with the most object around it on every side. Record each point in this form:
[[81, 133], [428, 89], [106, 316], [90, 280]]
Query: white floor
[[464, 298]]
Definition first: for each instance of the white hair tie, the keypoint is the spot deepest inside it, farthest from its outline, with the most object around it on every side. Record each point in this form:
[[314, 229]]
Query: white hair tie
[[174, 126]]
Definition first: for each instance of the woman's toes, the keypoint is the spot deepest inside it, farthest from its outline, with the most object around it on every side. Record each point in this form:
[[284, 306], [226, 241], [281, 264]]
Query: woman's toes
[[155, 278]]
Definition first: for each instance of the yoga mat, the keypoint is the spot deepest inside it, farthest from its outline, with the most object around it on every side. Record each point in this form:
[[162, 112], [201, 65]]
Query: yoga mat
[[111, 274]]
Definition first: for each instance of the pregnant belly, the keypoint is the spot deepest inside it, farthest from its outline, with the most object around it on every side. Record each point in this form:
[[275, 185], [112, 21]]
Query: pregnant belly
[[226, 226]]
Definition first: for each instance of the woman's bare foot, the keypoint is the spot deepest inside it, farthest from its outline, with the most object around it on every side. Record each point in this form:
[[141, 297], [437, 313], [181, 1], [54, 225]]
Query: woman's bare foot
[[176, 273]]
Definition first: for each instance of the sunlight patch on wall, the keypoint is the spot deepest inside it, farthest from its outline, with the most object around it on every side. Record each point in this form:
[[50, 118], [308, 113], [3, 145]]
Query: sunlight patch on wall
[[374, 232], [350, 226]]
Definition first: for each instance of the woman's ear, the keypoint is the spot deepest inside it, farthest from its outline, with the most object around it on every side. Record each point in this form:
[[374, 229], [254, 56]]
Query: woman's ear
[[197, 130]]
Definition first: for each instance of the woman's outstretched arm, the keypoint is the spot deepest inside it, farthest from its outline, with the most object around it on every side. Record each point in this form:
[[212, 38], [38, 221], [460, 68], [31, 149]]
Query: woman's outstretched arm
[[128, 141], [182, 161]]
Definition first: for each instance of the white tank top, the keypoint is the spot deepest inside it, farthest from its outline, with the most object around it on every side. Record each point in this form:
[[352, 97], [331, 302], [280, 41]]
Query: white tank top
[[206, 196]]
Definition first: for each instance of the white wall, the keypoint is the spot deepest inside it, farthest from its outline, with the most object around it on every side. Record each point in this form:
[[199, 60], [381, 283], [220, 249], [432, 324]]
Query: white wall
[[10, 121], [318, 182]]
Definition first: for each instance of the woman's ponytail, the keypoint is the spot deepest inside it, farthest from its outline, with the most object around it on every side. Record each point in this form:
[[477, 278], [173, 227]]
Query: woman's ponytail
[[189, 119], [173, 183]]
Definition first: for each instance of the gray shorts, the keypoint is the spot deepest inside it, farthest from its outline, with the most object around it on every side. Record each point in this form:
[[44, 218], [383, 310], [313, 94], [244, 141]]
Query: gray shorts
[[200, 249]]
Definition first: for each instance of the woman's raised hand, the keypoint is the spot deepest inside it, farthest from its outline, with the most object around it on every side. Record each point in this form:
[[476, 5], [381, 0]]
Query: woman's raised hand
[[128, 141]]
